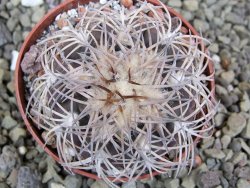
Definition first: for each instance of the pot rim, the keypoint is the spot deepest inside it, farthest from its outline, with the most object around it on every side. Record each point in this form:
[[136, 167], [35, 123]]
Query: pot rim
[[31, 39]]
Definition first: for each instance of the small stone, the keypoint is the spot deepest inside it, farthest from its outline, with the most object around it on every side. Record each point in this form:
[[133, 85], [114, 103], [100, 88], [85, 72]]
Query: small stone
[[12, 179], [225, 140], [235, 145], [207, 143], [15, 2], [33, 3], [191, 5], [224, 182], [175, 3], [22, 150], [4, 185], [242, 172], [3, 140], [214, 153], [229, 154], [201, 25], [28, 178], [14, 57], [245, 103], [4, 64], [228, 76], [8, 122], [214, 47], [12, 23], [246, 131], [219, 119], [17, 133], [209, 179], [73, 181], [245, 146], [56, 185], [5, 35], [131, 184], [31, 154], [234, 18], [38, 14], [17, 37], [25, 20], [239, 158], [99, 184], [172, 183], [235, 124], [8, 160], [242, 183]]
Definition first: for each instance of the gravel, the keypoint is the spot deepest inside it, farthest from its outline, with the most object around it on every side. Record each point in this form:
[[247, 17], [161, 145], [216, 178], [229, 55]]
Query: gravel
[[225, 156]]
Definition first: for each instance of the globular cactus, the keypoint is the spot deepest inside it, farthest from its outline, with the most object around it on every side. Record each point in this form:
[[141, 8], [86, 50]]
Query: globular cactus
[[122, 91]]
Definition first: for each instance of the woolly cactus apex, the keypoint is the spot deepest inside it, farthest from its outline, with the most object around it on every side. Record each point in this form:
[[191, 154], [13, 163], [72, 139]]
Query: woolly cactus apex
[[123, 91]]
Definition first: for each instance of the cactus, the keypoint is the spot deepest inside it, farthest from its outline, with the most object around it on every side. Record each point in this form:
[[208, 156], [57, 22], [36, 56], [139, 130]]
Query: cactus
[[122, 91]]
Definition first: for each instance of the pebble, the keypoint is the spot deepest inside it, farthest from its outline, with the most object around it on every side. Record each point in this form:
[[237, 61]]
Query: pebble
[[209, 179], [33, 3], [8, 160], [131, 184], [242, 183], [25, 20], [201, 25], [8, 122], [191, 5], [245, 103], [28, 178], [14, 57], [38, 14], [4, 64], [22, 150], [17, 133], [246, 131], [55, 185], [228, 76], [73, 181], [15, 2], [225, 141], [5, 35], [172, 183], [214, 153], [242, 172], [219, 119], [99, 184], [239, 158], [235, 124], [234, 18], [174, 3]]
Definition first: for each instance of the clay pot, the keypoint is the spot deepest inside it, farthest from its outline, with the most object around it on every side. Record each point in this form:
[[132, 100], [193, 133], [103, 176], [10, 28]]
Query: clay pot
[[19, 82]]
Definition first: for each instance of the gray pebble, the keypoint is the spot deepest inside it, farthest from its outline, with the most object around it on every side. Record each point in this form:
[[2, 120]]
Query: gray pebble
[[174, 3], [8, 122], [239, 158], [214, 153], [99, 184], [172, 183], [28, 178], [5, 35], [235, 124], [25, 20], [17, 133], [191, 5], [234, 18], [242, 183], [201, 25], [225, 140], [228, 76], [236, 145], [73, 181], [209, 179]]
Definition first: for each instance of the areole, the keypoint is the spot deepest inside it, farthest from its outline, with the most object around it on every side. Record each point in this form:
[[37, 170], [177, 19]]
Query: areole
[[31, 39]]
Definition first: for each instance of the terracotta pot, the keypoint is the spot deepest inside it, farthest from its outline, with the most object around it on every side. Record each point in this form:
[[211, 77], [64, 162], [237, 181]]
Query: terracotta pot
[[19, 82]]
